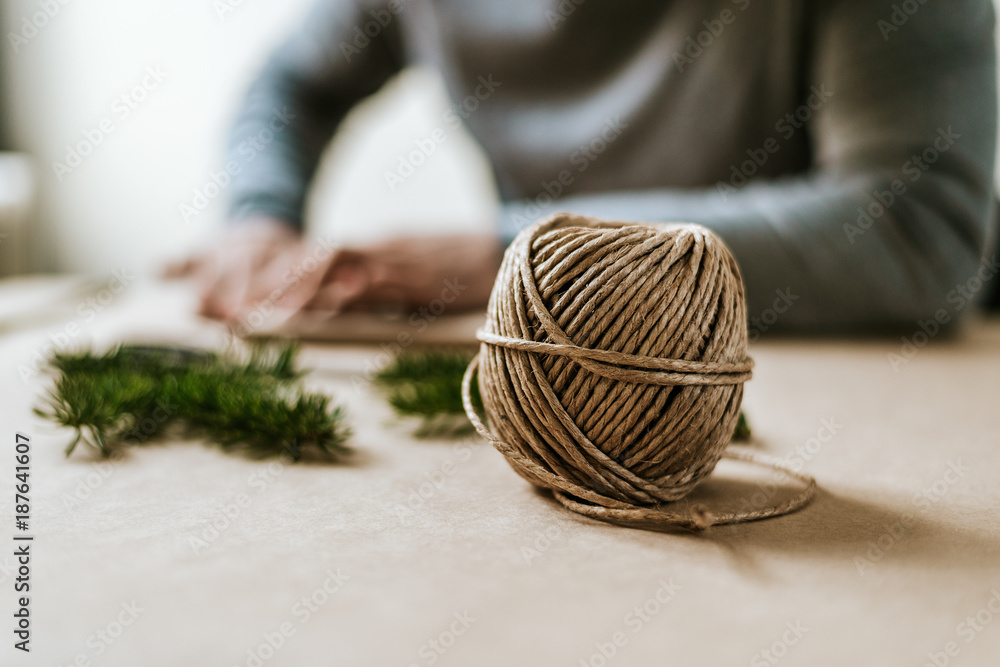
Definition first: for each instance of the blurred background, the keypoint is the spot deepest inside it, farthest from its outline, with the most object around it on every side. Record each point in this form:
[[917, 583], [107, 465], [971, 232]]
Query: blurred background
[[166, 77], [68, 67]]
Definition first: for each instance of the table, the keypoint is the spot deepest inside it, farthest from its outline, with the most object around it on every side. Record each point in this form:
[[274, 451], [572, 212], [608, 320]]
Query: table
[[424, 552]]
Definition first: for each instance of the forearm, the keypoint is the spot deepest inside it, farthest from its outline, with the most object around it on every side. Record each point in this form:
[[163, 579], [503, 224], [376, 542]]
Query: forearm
[[274, 148], [805, 244], [293, 108]]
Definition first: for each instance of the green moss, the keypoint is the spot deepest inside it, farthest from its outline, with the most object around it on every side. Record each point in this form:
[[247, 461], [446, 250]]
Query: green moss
[[742, 428], [427, 384], [133, 394]]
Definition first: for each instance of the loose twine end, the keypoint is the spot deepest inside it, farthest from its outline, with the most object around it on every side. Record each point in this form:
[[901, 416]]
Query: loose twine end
[[701, 518]]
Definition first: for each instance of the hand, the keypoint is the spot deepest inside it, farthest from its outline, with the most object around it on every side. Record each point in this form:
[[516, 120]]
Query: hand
[[269, 261], [410, 273], [243, 268]]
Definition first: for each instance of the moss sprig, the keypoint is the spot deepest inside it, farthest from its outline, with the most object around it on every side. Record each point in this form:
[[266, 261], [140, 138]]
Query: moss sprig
[[134, 394], [427, 384]]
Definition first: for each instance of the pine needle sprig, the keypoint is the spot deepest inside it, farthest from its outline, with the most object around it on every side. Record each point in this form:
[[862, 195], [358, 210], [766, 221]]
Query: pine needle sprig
[[428, 384], [742, 432], [134, 394]]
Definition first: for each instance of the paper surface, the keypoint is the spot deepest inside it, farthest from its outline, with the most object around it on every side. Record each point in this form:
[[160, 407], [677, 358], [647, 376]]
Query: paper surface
[[421, 552]]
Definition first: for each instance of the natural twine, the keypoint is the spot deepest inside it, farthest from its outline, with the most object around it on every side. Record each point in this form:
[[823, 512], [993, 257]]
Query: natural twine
[[612, 367]]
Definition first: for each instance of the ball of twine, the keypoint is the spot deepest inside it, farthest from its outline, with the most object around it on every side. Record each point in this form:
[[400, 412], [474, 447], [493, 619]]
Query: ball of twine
[[612, 366]]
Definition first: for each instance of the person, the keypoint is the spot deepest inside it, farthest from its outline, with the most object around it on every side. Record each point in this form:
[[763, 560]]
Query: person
[[843, 149]]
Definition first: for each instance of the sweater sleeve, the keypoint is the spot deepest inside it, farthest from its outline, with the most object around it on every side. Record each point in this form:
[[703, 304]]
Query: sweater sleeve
[[340, 54], [895, 213]]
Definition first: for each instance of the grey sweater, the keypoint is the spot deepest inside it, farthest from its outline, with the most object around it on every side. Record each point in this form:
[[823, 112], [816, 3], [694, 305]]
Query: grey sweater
[[843, 149]]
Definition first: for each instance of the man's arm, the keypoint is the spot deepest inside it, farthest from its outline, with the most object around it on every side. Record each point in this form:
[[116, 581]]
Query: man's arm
[[908, 137], [291, 111], [286, 121]]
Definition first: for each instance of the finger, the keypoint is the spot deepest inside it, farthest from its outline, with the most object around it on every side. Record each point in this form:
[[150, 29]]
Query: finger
[[184, 268], [301, 273], [223, 289], [254, 275], [276, 273], [345, 284]]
